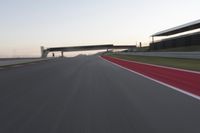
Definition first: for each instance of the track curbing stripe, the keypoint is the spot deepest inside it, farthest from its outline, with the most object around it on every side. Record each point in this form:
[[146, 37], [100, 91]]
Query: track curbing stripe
[[160, 82], [173, 68]]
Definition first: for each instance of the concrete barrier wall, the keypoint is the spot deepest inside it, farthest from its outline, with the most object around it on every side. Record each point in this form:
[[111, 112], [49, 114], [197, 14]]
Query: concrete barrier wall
[[6, 62]]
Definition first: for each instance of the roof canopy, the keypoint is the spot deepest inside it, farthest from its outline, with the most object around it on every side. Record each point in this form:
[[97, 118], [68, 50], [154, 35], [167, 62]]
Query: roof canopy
[[182, 28]]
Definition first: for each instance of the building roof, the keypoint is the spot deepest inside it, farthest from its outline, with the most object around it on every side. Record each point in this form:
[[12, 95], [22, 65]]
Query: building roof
[[182, 28]]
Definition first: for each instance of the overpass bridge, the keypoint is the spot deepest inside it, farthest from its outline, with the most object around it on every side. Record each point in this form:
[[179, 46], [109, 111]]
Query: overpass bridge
[[45, 52]]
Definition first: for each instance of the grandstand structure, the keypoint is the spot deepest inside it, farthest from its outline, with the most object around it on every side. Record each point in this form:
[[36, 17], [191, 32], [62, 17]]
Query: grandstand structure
[[188, 39]]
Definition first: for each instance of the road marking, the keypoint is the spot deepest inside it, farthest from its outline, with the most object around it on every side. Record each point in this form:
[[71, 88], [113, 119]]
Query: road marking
[[17, 65], [160, 82], [32, 63]]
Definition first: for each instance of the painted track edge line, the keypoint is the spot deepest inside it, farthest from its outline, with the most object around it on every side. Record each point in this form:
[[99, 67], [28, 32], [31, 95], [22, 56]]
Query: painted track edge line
[[157, 81], [20, 65]]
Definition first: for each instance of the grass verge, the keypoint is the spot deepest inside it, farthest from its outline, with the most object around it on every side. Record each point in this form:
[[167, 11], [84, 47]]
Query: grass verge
[[189, 64]]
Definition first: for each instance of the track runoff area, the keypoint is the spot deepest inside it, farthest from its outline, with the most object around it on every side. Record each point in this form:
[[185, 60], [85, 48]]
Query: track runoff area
[[187, 82]]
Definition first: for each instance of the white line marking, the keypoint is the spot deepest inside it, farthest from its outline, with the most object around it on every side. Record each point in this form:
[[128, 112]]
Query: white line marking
[[17, 65], [32, 63], [179, 69], [160, 82]]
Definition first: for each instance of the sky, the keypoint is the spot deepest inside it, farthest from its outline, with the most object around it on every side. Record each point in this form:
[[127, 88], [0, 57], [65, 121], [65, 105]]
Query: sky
[[25, 25]]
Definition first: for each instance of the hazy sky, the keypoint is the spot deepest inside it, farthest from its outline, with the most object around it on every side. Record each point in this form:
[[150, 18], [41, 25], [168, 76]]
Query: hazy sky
[[25, 25]]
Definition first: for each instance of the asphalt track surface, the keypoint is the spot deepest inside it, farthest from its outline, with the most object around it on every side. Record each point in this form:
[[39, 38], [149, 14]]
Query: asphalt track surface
[[86, 94]]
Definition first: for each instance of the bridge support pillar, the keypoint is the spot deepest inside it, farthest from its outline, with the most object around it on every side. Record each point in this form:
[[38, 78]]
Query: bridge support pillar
[[62, 54], [44, 52], [152, 39]]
